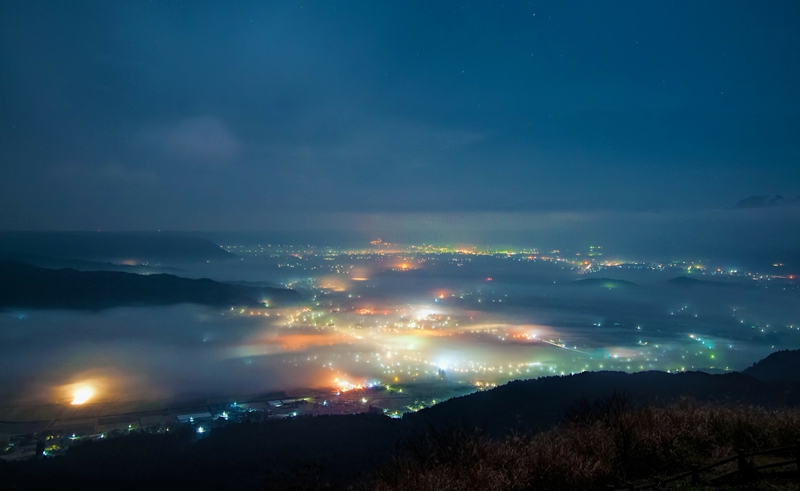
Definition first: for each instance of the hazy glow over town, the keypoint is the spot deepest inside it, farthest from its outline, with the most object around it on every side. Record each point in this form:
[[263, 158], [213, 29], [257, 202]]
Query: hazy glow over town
[[431, 322]]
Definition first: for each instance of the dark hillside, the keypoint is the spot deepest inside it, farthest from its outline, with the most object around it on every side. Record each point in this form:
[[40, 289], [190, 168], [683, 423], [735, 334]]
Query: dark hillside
[[781, 366], [25, 286], [538, 404]]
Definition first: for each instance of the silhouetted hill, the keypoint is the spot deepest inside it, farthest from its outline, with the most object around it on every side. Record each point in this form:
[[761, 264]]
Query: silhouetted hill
[[137, 247], [608, 283], [781, 366], [540, 403], [26, 286]]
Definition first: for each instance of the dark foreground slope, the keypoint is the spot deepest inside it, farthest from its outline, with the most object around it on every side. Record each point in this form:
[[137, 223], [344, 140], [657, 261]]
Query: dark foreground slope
[[539, 404], [25, 286], [610, 446], [289, 453]]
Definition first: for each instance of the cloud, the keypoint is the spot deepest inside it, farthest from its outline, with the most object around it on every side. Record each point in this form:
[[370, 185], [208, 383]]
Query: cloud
[[200, 139]]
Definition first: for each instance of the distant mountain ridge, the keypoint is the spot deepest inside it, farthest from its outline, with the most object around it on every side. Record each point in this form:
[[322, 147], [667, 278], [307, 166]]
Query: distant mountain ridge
[[26, 286], [136, 247], [767, 201]]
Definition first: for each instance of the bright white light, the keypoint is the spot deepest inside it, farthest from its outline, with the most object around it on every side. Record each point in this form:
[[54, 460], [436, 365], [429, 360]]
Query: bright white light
[[82, 395], [201, 430]]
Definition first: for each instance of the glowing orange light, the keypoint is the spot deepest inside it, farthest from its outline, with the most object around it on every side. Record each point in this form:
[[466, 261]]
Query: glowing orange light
[[441, 294], [345, 386], [82, 395]]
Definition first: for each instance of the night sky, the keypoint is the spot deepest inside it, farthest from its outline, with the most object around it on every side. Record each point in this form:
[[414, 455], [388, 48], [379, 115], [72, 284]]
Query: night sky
[[204, 115]]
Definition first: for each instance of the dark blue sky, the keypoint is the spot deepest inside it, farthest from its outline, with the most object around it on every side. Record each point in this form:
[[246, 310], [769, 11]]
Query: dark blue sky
[[226, 115]]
